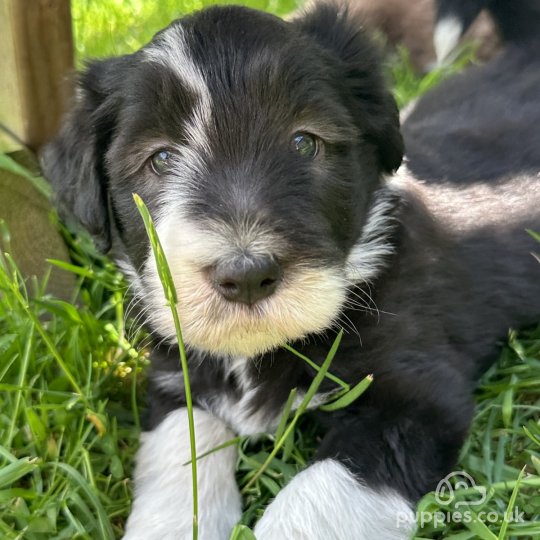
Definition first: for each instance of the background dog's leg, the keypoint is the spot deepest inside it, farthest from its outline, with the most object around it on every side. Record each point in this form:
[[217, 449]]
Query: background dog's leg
[[163, 503]]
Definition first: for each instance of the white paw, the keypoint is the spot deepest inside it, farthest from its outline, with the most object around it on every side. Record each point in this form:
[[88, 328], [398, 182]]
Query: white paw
[[326, 502], [163, 504]]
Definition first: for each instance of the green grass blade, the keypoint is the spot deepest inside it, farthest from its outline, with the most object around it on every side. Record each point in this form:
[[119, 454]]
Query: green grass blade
[[46, 338], [510, 507], [508, 403], [241, 532], [16, 470], [481, 531], [226, 444], [285, 415], [534, 234], [164, 271], [313, 387], [72, 268], [352, 395], [105, 529], [9, 164], [311, 363], [169, 289], [20, 382]]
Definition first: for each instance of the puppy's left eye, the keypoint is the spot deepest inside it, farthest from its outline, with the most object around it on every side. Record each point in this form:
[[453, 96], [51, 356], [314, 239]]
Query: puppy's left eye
[[306, 145], [160, 162]]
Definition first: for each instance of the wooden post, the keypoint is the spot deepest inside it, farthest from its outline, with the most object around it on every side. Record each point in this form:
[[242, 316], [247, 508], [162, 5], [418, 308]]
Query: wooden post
[[36, 57]]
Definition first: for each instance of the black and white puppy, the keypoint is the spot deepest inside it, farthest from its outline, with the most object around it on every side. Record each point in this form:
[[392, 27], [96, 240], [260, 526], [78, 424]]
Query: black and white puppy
[[264, 151]]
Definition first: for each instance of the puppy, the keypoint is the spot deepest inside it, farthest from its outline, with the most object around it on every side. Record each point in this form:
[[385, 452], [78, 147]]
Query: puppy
[[264, 150]]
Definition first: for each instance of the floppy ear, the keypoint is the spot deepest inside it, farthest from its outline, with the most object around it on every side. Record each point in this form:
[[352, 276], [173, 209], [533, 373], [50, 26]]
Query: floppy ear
[[73, 162], [373, 107]]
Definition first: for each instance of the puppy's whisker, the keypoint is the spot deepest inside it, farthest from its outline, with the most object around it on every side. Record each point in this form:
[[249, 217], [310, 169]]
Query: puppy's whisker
[[142, 316], [362, 294], [346, 321]]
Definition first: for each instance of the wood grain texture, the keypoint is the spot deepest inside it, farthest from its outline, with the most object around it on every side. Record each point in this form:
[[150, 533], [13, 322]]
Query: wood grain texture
[[35, 64]]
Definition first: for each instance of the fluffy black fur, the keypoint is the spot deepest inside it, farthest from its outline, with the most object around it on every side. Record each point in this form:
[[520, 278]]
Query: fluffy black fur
[[445, 296], [249, 54], [482, 125], [517, 20]]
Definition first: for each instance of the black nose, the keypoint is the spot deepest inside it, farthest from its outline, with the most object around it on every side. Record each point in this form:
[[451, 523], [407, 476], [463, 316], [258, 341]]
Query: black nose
[[246, 279]]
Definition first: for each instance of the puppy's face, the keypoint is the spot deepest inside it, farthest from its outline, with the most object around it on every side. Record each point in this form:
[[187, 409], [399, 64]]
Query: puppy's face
[[257, 146]]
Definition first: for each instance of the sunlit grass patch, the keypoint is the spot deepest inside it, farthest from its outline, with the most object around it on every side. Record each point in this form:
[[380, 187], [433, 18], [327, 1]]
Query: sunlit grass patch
[[68, 429], [113, 27]]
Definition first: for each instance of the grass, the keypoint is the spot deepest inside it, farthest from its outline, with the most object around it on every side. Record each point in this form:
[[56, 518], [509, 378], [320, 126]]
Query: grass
[[169, 292], [72, 378], [111, 27]]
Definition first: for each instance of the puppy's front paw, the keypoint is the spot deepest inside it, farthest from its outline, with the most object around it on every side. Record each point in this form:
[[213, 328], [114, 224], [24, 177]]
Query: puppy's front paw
[[163, 505], [326, 502]]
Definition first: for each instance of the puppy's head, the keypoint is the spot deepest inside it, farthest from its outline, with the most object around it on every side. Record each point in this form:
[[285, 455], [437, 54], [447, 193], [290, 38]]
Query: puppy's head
[[257, 145]]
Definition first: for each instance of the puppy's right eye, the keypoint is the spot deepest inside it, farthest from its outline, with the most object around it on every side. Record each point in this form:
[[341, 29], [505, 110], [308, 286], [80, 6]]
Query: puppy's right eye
[[160, 162], [306, 145]]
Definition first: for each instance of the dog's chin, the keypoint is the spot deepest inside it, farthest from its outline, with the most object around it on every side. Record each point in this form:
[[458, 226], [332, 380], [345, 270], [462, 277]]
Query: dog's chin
[[307, 302]]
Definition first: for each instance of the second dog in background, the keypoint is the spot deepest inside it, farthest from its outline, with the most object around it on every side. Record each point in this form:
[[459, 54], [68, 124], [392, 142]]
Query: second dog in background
[[430, 29]]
